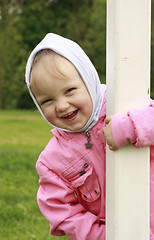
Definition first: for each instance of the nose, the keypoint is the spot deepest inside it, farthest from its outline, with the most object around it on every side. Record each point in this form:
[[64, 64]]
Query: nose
[[62, 105]]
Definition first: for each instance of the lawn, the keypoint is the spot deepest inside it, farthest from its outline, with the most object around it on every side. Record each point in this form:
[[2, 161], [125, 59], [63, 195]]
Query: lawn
[[23, 135]]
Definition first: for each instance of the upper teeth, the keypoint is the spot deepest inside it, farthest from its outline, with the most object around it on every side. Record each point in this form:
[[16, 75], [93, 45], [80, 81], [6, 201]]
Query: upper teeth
[[69, 114]]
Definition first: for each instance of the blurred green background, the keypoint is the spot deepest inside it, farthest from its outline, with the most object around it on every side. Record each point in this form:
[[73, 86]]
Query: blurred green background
[[21, 141], [23, 23]]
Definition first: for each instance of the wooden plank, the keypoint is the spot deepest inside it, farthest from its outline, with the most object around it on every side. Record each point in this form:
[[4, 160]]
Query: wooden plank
[[128, 83]]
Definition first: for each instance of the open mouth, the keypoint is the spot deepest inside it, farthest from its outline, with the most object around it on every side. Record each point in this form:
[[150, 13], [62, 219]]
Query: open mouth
[[71, 115]]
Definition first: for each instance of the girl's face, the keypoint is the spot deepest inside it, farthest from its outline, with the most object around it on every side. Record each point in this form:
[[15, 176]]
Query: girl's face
[[61, 93]]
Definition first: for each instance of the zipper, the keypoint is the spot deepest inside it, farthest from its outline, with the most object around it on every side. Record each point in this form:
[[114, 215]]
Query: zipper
[[88, 144]]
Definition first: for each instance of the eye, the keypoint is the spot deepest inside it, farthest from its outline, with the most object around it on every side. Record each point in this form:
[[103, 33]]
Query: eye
[[46, 101], [69, 90]]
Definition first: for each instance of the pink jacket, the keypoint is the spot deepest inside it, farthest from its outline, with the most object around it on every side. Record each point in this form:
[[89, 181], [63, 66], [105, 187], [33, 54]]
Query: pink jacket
[[72, 178]]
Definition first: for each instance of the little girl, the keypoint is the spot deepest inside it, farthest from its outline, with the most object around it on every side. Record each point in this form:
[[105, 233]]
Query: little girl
[[66, 89]]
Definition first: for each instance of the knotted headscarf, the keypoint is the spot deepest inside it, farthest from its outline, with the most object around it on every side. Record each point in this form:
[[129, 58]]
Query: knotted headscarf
[[73, 52]]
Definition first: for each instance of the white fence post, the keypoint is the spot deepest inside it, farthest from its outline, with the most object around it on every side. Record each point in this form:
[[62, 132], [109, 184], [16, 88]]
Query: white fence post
[[128, 82]]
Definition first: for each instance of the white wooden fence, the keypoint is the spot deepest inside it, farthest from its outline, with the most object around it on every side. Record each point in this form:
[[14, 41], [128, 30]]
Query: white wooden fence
[[128, 83]]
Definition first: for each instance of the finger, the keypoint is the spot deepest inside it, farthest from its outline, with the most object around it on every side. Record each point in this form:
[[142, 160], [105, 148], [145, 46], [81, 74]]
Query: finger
[[112, 148], [108, 119], [103, 130]]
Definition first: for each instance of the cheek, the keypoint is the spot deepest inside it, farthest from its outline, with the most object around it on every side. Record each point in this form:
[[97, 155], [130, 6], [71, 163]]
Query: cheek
[[50, 116], [84, 100], [86, 104], [88, 107]]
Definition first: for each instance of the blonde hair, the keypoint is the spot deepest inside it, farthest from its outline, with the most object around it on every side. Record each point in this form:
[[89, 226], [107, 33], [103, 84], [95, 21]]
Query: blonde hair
[[39, 55], [51, 65]]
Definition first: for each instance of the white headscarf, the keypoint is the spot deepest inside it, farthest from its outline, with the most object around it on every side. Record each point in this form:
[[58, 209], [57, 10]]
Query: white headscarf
[[73, 52]]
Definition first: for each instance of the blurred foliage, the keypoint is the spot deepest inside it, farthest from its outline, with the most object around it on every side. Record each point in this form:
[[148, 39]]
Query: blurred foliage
[[23, 23]]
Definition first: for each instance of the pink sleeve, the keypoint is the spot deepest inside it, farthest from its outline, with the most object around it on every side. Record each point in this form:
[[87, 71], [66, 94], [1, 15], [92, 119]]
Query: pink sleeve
[[151, 235], [65, 214], [137, 127]]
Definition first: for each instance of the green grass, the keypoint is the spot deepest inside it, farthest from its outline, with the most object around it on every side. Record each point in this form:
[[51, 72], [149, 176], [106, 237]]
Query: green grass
[[23, 135]]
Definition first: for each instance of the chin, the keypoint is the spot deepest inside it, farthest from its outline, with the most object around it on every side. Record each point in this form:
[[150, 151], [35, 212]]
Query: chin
[[75, 129]]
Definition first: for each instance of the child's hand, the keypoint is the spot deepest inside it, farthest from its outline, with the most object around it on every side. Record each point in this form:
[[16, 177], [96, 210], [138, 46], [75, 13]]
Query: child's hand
[[108, 134]]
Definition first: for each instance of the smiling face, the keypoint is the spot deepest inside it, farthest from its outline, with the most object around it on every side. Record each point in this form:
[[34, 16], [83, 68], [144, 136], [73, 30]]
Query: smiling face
[[60, 92]]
